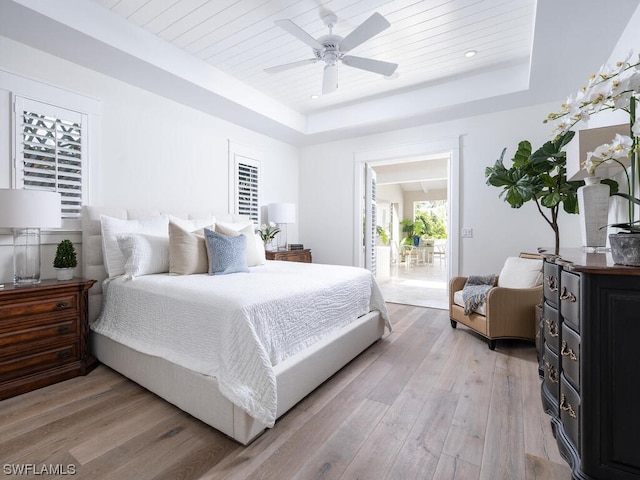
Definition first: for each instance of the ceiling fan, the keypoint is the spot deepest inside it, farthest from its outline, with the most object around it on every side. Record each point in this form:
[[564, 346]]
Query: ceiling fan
[[333, 49]]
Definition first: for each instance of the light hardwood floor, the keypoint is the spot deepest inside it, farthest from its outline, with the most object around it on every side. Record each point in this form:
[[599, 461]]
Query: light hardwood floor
[[425, 402]]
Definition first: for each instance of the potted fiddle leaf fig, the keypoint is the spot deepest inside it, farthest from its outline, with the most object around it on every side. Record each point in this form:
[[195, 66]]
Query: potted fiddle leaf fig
[[65, 260], [541, 177]]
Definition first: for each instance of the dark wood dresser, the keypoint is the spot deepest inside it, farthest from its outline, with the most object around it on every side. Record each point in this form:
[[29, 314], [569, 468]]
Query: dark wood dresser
[[43, 334], [290, 255], [591, 362]]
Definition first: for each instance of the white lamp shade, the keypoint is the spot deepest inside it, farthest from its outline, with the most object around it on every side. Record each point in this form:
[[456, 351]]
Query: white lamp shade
[[282, 212], [29, 209]]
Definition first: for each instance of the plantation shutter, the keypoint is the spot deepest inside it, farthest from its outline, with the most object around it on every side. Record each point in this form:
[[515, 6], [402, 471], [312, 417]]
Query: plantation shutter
[[247, 187], [370, 219], [50, 151]]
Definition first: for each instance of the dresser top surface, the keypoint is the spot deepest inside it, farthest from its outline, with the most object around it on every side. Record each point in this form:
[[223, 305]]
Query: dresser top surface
[[581, 260]]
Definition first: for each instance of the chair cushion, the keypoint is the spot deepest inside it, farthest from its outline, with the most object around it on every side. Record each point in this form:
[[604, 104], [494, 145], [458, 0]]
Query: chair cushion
[[521, 273], [458, 300]]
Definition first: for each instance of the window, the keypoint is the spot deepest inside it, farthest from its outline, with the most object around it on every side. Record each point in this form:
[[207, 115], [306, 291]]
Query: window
[[50, 151], [244, 188]]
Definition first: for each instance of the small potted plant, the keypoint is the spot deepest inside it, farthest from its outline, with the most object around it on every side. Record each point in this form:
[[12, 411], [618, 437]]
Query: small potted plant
[[65, 260], [267, 234]]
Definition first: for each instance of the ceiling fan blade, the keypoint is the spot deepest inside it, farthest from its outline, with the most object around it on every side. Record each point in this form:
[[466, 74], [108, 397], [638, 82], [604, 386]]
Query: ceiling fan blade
[[330, 79], [376, 66], [299, 33], [372, 26], [287, 66]]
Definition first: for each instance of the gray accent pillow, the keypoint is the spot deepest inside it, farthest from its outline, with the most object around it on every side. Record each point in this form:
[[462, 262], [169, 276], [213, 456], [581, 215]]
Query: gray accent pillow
[[226, 254]]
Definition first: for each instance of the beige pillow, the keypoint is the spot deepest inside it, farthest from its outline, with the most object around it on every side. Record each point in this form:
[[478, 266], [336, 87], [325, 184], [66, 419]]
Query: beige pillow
[[187, 251], [247, 229], [521, 273]]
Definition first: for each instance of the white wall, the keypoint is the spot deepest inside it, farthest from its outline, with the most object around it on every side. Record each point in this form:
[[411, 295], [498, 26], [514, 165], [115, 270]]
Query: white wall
[[154, 152], [327, 186]]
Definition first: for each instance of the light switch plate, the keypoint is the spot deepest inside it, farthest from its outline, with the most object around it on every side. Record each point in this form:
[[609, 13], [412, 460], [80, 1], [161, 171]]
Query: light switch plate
[[466, 233]]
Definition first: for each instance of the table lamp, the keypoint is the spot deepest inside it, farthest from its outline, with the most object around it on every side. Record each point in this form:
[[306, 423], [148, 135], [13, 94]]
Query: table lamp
[[26, 211], [281, 214]]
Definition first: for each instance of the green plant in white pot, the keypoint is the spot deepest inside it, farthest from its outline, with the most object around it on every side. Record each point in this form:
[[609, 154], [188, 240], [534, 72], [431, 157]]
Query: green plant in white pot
[[65, 260]]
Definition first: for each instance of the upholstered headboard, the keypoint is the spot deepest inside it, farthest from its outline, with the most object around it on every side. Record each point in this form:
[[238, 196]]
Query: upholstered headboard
[[92, 259]]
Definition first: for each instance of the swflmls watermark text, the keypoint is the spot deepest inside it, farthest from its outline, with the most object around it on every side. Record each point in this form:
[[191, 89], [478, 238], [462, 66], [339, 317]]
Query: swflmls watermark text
[[38, 469]]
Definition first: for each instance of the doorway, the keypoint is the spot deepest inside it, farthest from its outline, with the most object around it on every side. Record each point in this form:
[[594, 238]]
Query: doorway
[[412, 219], [425, 175]]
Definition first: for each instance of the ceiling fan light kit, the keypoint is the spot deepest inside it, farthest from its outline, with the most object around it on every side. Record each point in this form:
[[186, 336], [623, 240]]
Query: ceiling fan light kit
[[332, 49]]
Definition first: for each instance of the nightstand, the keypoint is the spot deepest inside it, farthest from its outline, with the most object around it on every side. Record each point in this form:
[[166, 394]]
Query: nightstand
[[43, 334], [303, 256]]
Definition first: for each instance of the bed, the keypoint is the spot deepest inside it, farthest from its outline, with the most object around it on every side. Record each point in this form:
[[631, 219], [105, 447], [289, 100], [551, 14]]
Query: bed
[[142, 328]]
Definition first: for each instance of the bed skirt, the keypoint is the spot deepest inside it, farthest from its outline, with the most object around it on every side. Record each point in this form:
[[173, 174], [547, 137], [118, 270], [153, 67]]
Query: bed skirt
[[198, 394]]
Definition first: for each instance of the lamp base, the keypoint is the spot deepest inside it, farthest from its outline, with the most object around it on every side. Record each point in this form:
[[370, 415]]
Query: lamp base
[[26, 256]]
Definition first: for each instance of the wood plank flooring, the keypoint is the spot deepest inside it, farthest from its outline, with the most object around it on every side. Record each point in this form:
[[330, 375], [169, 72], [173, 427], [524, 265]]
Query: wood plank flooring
[[425, 402]]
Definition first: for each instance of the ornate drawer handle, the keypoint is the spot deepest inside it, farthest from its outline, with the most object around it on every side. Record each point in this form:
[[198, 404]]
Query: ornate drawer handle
[[567, 352], [62, 304], [553, 328], [567, 407], [63, 329], [64, 354], [553, 373], [567, 296], [552, 283]]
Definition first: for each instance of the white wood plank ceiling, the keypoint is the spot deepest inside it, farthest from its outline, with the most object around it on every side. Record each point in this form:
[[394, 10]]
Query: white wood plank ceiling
[[428, 39]]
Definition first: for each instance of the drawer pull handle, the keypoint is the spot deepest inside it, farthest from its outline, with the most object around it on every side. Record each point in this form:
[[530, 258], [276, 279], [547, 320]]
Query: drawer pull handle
[[553, 328], [63, 329], [567, 296], [62, 304], [567, 352], [553, 373], [567, 407], [64, 354], [552, 283]]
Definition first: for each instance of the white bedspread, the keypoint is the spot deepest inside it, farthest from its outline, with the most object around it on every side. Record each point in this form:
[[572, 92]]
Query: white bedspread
[[237, 327]]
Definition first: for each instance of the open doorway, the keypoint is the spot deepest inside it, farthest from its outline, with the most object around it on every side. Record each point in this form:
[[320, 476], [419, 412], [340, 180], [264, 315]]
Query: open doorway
[[364, 230], [412, 217]]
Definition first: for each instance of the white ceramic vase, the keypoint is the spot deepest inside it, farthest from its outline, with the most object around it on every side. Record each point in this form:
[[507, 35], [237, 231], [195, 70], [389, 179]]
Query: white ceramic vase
[[593, 202]]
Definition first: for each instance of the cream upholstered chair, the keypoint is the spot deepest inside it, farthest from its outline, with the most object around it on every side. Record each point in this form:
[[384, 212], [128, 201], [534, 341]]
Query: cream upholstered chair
[[509, 309]]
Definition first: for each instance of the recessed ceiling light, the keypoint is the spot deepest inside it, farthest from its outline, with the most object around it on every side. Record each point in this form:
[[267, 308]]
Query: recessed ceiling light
[[315, 96], [470, 53]]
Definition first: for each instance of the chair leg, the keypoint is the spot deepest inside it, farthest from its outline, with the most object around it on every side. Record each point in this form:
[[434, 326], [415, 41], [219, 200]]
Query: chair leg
[[454, 324], [492, 344]]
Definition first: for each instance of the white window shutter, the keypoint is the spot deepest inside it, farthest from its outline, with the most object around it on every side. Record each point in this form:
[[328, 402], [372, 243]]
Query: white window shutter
[[247, 188], [50, 151], [370, 219]]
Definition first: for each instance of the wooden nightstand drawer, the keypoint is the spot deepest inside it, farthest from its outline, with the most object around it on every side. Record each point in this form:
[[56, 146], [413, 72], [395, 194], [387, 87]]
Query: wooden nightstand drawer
[[36, 329], [43, 334], [303, 256], [36, 306], [44, 357]]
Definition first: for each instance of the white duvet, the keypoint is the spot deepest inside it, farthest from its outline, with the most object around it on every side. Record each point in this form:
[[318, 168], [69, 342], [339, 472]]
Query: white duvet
[[237, 327]]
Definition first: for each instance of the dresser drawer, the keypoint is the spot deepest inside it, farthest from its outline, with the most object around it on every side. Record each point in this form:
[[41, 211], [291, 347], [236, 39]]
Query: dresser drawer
[[551, 373], [570, 355], [551, 327], [570, 412], [35, 329], [551, 281], [570, 299], [51, 304], [29, 361]]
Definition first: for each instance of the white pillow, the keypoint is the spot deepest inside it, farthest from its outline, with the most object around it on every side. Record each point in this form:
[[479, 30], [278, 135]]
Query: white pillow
[[254, 244], [521, 273], [194, 224], [114, 260], [145, 254]]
